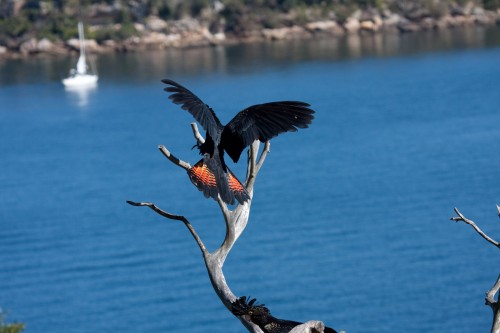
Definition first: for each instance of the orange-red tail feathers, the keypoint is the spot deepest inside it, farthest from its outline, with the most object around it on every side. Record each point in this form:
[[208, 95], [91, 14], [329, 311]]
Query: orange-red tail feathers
[[237, 189], [211, 183], [204, 179]]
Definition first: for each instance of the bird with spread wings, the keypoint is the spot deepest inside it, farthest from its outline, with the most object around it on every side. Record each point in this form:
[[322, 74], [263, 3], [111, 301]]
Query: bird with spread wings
[[260, 122]]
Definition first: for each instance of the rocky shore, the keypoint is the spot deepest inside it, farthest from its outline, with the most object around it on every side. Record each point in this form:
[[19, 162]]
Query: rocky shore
[[158, 34]]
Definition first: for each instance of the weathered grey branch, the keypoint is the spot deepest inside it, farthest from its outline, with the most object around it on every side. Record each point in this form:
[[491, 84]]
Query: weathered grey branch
[[490, 295], [262, 158], [174, 217], [213, 263], [311, 326], [461, 217], [495, 306], [199, 138], [185, 165], [254, 163]]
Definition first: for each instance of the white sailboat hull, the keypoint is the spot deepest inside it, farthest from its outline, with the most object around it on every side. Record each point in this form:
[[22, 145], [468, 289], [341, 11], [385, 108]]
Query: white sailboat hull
[[80, 80]]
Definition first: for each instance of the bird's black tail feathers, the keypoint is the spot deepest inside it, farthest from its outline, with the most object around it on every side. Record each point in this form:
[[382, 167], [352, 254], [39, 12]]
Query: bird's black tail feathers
[[210, 179]]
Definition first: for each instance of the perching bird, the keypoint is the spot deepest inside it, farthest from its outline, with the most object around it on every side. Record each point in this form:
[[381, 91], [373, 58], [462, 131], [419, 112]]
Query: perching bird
[[259, 122], [261, 316]]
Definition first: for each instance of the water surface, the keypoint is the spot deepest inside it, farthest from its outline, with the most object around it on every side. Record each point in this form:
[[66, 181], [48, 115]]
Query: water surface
[[350, 219]]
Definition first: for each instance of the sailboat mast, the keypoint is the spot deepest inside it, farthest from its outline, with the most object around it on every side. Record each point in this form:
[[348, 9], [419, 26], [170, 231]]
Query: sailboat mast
[[81, 66]]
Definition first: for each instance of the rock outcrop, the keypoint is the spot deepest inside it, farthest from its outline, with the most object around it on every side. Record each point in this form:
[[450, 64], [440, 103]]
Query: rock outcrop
[[156, 33]]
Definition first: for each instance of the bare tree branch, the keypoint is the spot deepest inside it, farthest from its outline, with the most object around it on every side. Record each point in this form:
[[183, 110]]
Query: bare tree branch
[[263, 155], [254, 163], [461, 217], [197, 134], [490, 295], [213, 263], [308, 327], [494, 305], [496, 323], [174, 217], [185, 165]]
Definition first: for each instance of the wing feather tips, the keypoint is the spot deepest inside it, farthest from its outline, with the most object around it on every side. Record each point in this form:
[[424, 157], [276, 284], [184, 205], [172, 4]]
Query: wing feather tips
[[263, 122], [170, 82], [188, 101], [301, 113], [275, 118]]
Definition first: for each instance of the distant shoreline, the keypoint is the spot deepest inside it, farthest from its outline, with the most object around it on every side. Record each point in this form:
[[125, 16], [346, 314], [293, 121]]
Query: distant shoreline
[[190, 33]]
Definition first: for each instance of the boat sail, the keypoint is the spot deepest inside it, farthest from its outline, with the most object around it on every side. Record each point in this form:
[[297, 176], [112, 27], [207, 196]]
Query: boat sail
[[81, 76]]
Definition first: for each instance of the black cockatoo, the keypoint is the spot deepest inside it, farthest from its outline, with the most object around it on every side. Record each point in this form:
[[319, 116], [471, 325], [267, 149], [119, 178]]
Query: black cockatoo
[[261, 316], [259, 122]]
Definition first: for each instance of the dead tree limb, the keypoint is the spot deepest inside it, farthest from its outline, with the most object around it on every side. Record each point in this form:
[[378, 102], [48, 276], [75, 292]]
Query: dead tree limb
[[235, 221], [213, 262], [494, 305], [185, 165], [174, 217], [490, 295], [462, 218]]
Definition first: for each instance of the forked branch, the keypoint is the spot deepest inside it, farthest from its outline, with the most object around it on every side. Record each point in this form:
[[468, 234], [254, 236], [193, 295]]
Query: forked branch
[[462, 218]]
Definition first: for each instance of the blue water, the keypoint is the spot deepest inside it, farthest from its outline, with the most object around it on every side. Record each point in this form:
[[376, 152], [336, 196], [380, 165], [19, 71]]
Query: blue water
[[350, 219]]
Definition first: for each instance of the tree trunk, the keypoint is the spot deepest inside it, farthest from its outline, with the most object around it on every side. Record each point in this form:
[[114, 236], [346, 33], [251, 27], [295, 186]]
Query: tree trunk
[[235, 221]]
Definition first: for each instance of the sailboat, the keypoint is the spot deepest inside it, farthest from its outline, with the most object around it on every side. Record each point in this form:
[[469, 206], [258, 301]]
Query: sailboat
[[81, 76]]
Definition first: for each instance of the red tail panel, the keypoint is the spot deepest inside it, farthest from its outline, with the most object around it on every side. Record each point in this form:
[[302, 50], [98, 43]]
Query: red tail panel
[[239, 191], [204, 179]]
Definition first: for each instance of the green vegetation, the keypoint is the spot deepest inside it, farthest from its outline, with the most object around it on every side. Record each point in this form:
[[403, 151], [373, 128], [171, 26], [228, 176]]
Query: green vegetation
[[115, 19], [491, 4], [10, 328], [15, 26]]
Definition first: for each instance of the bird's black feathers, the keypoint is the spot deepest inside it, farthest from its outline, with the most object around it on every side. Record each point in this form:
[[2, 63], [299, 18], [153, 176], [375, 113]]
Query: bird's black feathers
[[191, 103], [242, 307], [263, 122], [261, 316], [258, 122]]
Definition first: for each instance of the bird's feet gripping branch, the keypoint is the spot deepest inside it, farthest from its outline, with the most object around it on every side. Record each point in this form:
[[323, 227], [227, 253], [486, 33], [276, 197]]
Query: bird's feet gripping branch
[[258, 122]]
